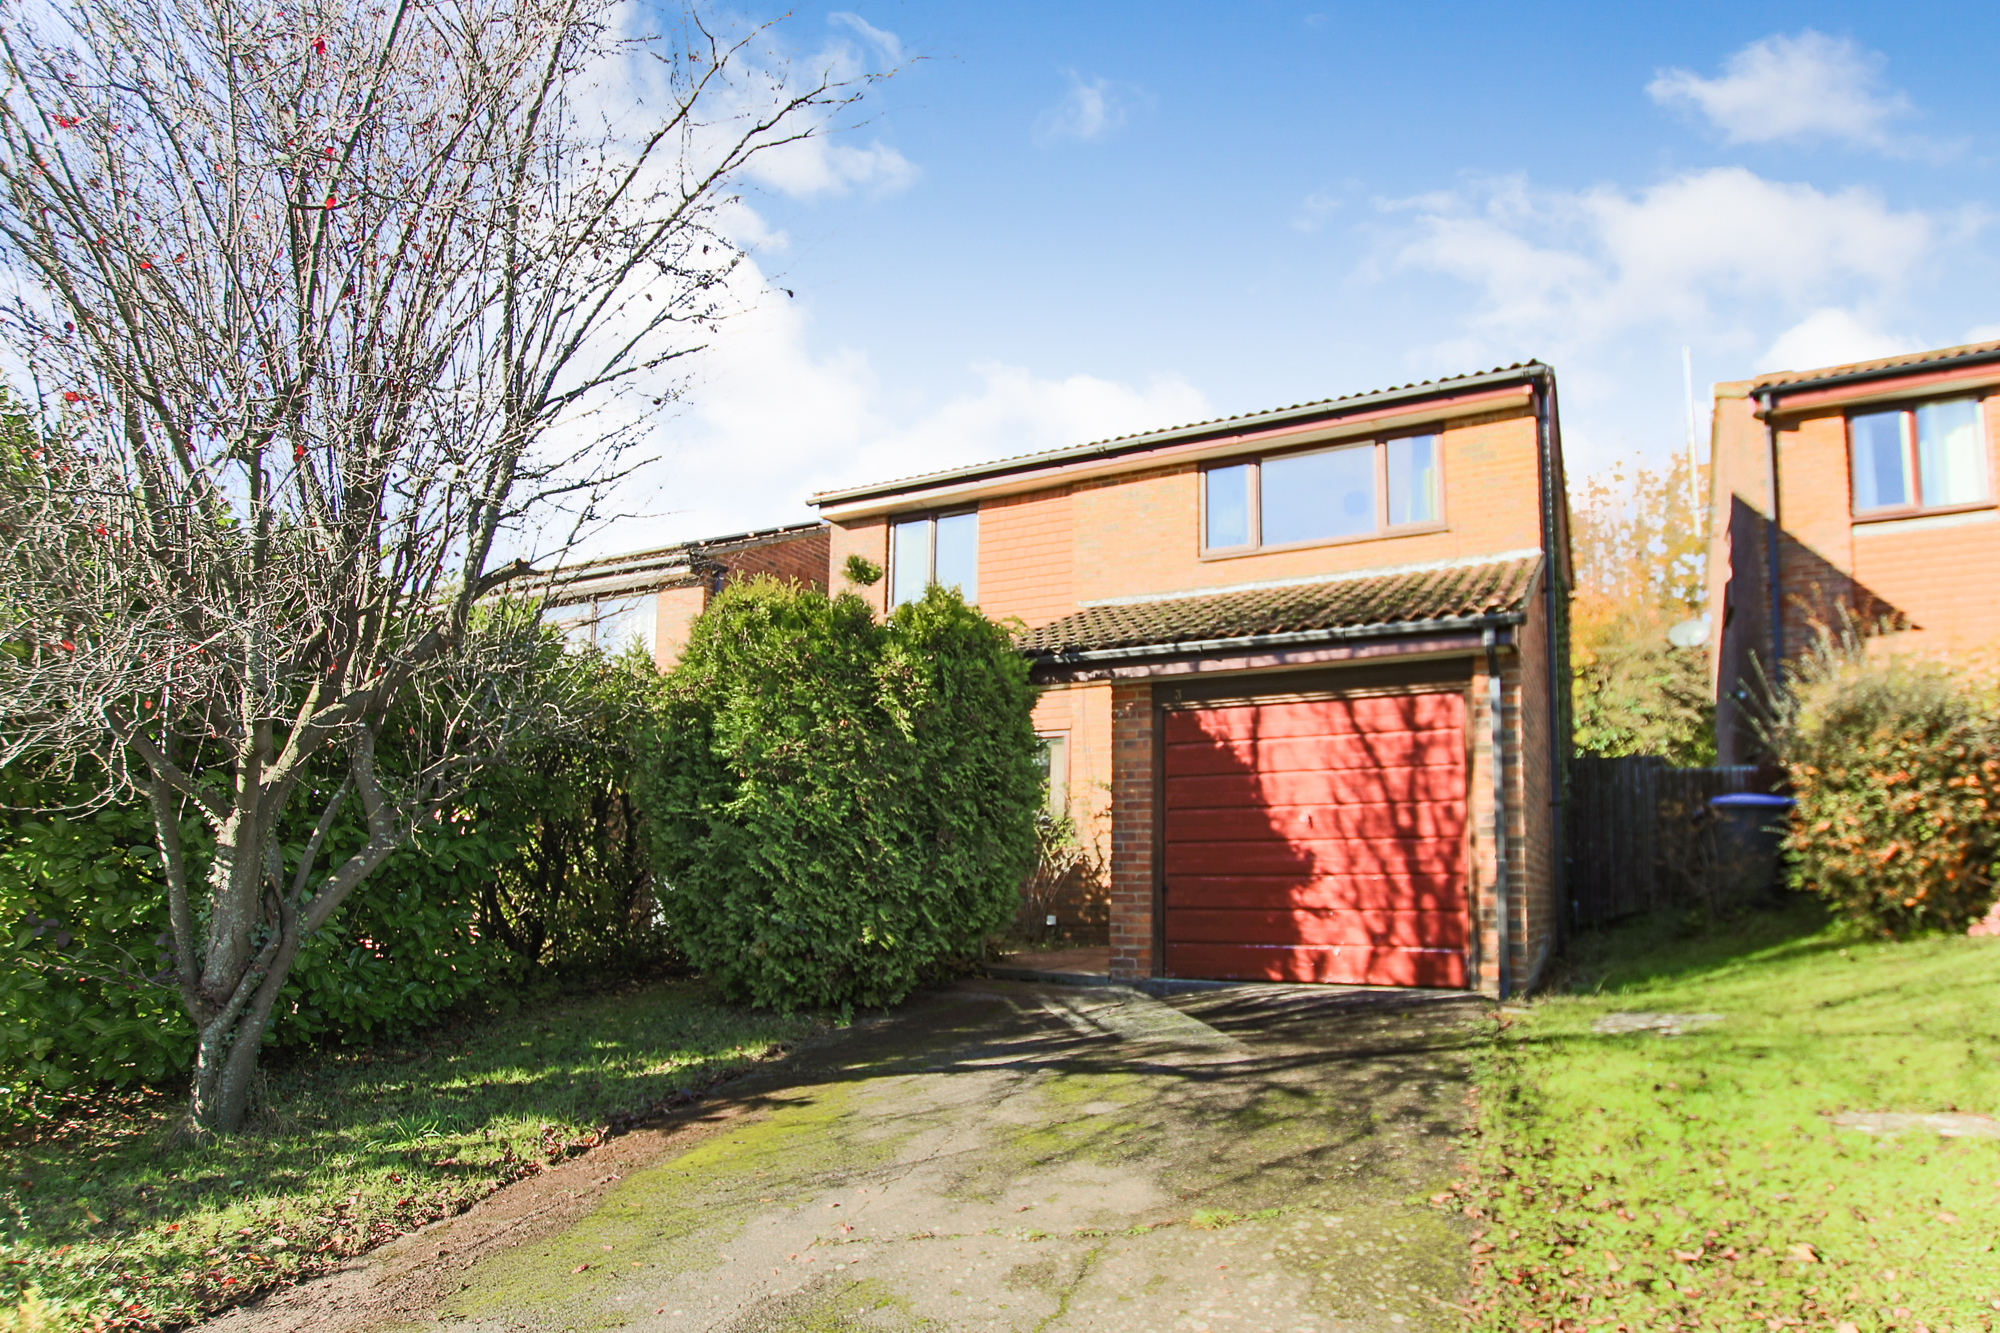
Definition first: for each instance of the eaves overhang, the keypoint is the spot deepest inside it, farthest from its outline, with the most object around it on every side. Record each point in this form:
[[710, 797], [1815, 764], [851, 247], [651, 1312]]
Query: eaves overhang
[[1893, 381]]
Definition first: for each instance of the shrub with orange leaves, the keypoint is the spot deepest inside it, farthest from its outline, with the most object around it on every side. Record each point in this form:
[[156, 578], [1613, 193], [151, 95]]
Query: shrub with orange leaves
[[1895, 762]]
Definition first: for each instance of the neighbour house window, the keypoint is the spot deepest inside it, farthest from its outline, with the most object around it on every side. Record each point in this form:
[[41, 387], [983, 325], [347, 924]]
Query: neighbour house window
[[1054, 759], [938, 548], [1321, 495], [609, 624], [1926, 457]]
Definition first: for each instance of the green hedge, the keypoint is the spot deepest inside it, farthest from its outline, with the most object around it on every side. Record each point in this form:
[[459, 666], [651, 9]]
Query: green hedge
[[840, 807], [1895, 764], [539, 874]]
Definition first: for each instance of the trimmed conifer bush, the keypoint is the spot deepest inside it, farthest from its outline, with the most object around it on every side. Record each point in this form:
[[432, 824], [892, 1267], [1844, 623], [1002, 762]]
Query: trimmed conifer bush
[[839, 807], [1896, 767]]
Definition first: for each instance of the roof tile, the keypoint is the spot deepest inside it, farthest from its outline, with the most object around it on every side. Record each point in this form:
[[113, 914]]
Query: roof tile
[[1387, 599]]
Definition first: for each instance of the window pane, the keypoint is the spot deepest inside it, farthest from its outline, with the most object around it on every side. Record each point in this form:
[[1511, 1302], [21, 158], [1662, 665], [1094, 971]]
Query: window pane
[[624, 622], [1413, 479], [1055, 773], [958, 554], [1881, 464], [910, 553], [1948, 460], [1310, 497], [577, 622], [1228, 506]]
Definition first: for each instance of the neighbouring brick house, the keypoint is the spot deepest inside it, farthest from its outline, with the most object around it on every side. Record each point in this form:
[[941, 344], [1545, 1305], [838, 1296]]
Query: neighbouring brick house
[[1884, 517], [1281, 652], [652, 597]]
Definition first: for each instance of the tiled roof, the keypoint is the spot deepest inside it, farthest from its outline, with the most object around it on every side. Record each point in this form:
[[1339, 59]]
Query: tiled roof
[[1018, 461], [678, 565], [1780, 378], [1344, 603]]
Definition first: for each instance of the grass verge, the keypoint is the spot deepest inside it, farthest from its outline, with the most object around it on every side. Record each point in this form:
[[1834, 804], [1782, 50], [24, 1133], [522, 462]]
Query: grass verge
[[113, 1224], [1650, 1182]]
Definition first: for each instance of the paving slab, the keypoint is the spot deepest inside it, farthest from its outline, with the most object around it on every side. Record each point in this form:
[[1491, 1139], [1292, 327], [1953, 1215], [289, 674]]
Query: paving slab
[[1001, 1156]]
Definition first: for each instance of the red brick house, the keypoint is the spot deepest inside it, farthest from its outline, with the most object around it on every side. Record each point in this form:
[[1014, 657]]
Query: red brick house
[[1858, 495], [652, 597], [1281, 653]]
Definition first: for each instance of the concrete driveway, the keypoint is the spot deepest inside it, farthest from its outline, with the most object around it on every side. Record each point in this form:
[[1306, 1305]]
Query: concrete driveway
[[997, 1156]]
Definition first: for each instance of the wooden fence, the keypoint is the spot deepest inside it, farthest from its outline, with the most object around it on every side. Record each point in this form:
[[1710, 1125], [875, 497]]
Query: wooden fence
[[1639, 834]]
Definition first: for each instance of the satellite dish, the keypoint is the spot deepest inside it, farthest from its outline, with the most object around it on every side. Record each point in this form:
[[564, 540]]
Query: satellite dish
[[1689, 633]]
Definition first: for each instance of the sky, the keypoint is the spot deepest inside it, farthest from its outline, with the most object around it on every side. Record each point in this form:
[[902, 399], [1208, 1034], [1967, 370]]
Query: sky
[[1055, 223]]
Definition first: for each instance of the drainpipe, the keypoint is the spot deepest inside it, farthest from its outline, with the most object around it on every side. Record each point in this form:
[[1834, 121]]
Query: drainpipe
[[1769, 403], [1554, 595], [1503, 919]]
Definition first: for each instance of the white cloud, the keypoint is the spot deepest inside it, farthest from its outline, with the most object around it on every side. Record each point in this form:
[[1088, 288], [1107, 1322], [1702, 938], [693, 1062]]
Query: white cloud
[[1569, 268], [1831, 337], [1982, 333], [768, 421], [823, 165], [889, 44], [1314, 210], [1792, 88], [1090, 110]]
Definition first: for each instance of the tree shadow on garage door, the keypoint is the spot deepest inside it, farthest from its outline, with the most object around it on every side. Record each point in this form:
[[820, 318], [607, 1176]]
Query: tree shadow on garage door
[[1318, 840]]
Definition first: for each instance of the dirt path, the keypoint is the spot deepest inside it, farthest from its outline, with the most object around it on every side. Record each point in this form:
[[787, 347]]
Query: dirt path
[[999, 1156]]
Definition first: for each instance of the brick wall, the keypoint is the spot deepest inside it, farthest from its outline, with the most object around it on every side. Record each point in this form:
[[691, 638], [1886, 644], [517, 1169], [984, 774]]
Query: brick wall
[[1044, 553], [1527, 825], [1139, 532], [1132, 742], [673, 615], [1540, 873], [1026, 556], [801, 558], [869, 539], [1928, 573]]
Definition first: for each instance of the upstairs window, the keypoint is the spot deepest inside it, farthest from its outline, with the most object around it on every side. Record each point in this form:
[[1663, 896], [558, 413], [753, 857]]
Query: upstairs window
[[611, 625], [1919, 458], [937, 548], [1321, 495]]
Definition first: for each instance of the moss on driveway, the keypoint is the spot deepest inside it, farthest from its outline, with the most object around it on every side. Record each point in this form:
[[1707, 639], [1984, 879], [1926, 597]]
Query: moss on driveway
[[1012, 1157]]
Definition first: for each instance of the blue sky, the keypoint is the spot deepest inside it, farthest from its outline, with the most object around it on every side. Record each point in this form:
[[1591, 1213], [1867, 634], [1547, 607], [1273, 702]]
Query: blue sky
[[1060, 222]]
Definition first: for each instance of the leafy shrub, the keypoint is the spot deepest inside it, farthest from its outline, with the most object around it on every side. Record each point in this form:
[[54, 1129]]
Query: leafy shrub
[[839, 807], [576, 895], [540, 871], [85, 990], [1896, 767], [81, 910]]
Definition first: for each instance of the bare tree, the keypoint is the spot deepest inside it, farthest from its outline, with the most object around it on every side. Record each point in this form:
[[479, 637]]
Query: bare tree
[[323, 303]]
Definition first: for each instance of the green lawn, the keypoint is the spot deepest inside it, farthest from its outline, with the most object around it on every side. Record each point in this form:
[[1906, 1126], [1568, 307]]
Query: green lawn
[[1652, 1182], [106, 1217]]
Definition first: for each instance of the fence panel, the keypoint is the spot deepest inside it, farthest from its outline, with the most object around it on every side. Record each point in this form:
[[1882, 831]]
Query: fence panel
[[1639, 834]]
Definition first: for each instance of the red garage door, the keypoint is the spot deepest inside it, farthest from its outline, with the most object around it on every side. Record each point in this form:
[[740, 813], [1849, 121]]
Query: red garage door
[[1318, 840]]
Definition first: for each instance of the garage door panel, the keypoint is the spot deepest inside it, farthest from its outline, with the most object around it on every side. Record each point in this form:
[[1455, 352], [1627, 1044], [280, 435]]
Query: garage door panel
[[1385, 928], [1317, 858], [1318, 840], [1309, 753], [1331, 965], [1411, 891], [1442, 782], [1319, 717], [1380, 819]]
